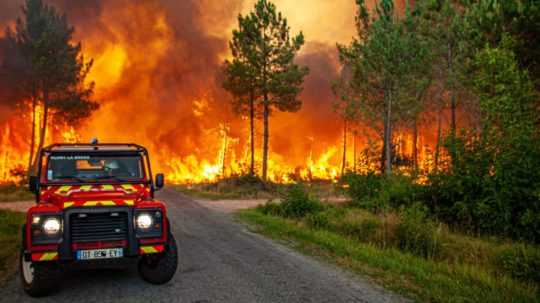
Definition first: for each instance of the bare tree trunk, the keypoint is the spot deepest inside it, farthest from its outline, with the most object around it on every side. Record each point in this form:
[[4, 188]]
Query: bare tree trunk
[[344, 158], [439, 138], [453, 113], [265, 139], [453, 106], [354, 152], [33, 138], [383, 151], [388, 136], [266, 111], [415, 145], [252, 135], [225, 148], [43, 129], [452, 94]]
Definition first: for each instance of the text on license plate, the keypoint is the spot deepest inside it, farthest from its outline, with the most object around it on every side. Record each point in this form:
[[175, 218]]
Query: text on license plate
[[100, 254]]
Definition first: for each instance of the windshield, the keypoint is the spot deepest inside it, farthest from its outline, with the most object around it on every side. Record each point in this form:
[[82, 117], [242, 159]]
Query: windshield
[[82, 168]]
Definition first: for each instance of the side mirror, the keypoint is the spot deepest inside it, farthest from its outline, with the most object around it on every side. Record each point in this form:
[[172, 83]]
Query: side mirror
[[33, 184], [160, 181]]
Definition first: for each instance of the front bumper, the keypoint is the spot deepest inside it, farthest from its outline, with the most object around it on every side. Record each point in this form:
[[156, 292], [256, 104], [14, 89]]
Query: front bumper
[[72, 241]]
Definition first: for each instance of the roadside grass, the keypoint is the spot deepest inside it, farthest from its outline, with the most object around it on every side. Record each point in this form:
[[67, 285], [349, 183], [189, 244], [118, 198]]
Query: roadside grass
[[10, 235], [423, 279], [12, 193]]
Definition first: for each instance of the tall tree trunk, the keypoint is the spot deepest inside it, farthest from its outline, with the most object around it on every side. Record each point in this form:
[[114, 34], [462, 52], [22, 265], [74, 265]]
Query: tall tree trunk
[[388, 135], [344, 158], [415, 145], [33, 138], [452, 93], [266, 135], [266, 109], [439, 137], [252, 134], [354, 152], [453, 106], [383, 151], [43, 129], [225, 148], [453, 113]]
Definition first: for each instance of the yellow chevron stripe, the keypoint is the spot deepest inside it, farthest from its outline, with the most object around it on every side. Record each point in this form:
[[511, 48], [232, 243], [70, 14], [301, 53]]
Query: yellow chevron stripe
[[149, 249], [68, 204], [63, 189], [99, 203], [48, 256], [107, 187], [128, 187], [86, 187], [129, 202]]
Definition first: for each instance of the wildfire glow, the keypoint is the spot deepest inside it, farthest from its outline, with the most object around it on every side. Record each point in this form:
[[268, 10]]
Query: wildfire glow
[[155, 65]]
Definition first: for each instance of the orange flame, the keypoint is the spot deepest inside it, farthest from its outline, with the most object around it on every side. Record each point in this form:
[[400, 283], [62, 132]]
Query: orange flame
[[155, 65]]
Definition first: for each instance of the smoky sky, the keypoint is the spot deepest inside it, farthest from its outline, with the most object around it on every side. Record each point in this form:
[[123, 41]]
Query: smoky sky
[[152, 101]]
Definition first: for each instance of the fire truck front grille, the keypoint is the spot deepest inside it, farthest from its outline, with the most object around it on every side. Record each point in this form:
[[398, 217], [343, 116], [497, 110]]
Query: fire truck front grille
[[89, 227]]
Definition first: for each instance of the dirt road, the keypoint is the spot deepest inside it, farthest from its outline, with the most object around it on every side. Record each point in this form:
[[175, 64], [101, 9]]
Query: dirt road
[[220, 261]]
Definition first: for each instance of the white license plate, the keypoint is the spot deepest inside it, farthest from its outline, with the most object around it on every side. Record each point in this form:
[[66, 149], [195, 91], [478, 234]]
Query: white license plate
[[93, 254]]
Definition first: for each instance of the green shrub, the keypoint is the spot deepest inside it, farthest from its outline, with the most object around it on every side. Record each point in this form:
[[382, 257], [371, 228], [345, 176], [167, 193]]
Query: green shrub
[[487, 192], [400, 190], [351, 228], [365, 230], [270, 208], [362, 189], [318, 220], [359, 224], [10, 228], [522, 261], [297, 203], [369, 228], [417, 233], [377, 193]]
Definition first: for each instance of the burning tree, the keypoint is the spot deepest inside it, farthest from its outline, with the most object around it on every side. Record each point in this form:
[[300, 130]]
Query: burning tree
[[264, 51], [346, 109], [386, 59], [51, 68], [239, 79]]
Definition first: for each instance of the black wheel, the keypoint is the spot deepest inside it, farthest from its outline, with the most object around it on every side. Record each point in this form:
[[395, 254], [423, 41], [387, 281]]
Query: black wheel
[[160, 268], [39, 278]]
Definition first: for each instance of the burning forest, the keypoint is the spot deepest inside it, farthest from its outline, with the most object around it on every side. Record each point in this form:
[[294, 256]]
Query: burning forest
[[156, 67], [367, 132]]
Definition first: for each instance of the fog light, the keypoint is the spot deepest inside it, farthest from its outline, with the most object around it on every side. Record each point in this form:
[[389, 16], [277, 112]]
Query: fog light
[[36, 219]]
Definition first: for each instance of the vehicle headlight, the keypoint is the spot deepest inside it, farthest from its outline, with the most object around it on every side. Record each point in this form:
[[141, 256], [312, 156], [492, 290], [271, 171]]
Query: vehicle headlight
[[144, 221], [51, 226], [46, 229], [148, 223]]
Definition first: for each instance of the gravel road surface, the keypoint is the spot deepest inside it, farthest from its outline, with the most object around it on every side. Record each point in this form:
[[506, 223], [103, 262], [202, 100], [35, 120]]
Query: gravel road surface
[[220, 261]]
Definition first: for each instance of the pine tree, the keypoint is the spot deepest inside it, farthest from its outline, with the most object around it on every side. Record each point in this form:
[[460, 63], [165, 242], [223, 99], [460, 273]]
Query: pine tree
[[239, 79], [269, 50], [53, 69], [385, 59]]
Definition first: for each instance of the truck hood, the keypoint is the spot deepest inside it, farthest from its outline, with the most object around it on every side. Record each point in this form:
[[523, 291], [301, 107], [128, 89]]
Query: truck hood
[[66, 196]]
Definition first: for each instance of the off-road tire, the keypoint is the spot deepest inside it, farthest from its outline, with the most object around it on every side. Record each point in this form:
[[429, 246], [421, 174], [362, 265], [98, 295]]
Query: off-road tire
[[160, 269], [46, 278]]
